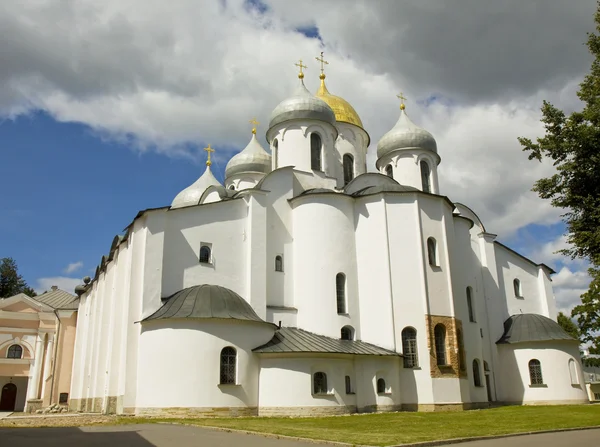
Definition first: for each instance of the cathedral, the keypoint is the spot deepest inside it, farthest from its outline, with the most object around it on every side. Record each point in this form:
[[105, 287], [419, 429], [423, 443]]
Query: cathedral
[[309, 285]]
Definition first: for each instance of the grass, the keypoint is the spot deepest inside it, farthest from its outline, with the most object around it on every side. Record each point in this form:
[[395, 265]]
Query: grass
[[398, 428]]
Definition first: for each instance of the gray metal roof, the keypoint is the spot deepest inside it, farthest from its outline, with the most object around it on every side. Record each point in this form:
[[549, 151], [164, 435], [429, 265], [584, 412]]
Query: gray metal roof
[[206, 301], [405, 135], [58, 299], [288, 339], [383, 188], [532, 327]]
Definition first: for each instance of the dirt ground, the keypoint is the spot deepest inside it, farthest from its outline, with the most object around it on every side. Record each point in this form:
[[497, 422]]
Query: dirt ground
[[73, 420]]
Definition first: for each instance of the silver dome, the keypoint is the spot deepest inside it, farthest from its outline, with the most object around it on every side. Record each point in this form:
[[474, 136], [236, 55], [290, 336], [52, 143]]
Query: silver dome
[[252, 159], [405, 135], [302, 105], [191, 195]]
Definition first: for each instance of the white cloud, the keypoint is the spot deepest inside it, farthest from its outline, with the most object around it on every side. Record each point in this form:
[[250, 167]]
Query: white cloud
[[568, 287], [62, 282], [73, 267]]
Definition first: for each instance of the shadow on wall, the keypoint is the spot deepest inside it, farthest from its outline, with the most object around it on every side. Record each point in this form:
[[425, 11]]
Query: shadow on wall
[[59, 437]]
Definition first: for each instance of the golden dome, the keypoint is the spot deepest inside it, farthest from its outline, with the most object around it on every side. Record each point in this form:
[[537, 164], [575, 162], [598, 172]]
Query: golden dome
[[342, 109]]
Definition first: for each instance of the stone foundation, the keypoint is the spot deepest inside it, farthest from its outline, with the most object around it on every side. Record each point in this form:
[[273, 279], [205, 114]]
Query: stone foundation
[[307, 411], [33, 405], [445, 407], [380, 408], [195, 412]]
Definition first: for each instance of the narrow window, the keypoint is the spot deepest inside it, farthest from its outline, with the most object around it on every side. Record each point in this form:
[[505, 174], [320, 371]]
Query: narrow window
[[15, 352], [517, 287], [476, 373], [486, 367], [347, 333], [409, 347], [315, 152], [348, 385], [389, 171], [278, 263], [573, 372], [425, 176], [440, 344], [535, 372], [340, 292], [320, 383], [275, 153], [205, 254], [432, 252], [231, 186], [228, 361], [462, 363], [63, 398], [380, 386], [470, 305], [348, 162]]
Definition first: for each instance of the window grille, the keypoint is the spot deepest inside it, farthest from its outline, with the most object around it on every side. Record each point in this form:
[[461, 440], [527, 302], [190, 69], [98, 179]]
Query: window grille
[[347, 333], [425, 176], [440, 344], [315, 152], [63, 398], [340, 292], [320, 383], [228, 364], [205, 254], [476, 373], [348, 385], [409, 348], [348, 162], [431, 252], [535, 372], [15, 352]]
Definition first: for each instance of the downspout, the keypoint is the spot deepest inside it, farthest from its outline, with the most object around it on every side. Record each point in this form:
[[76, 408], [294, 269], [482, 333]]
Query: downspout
[[54, 355]]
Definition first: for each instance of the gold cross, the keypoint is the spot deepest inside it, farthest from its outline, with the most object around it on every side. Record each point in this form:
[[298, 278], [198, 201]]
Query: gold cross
[[323, 62], [301, 74], [401, 97], [254, 124], [208, 151]]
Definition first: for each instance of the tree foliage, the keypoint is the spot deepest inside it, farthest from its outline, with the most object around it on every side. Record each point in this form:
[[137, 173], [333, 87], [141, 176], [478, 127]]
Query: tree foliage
[[573, 144], [11, 283], [567, 324]]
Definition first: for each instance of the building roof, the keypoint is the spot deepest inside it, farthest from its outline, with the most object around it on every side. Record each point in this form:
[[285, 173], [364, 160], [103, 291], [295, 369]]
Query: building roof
[[206, 301], [532, 327], [405, 135], [191, 195], [288, 339], [58, 299], [252, 159]]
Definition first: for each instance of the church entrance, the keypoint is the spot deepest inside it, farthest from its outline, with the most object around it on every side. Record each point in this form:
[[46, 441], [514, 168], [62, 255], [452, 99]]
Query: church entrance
[[8, 397]]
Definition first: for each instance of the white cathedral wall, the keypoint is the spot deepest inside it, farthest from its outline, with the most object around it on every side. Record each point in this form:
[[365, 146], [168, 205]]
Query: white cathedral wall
[[373, 271], [351, 140], [221, 224], [554, 357], [406, 167], [179, 361], [324, 247], [244, 180]]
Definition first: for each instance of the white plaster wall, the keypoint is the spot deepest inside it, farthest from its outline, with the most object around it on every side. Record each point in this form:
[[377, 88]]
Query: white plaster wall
[[351, 140], [244, 180], [447, 390], [554, 357], [368, 370], [320, 253], [190, 377]]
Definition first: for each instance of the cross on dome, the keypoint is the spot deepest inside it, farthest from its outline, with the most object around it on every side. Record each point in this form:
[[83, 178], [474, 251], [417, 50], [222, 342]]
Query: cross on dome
[[254, 125], [301, 74], [323, 63], [402, 98], [208, 151]]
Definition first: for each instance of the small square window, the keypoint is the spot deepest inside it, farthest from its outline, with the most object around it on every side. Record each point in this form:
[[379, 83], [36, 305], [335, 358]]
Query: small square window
[[63, 398]]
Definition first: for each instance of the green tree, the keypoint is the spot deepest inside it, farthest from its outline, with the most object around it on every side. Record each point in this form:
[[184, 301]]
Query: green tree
[[11, 283], [573, 144], [567, 324]]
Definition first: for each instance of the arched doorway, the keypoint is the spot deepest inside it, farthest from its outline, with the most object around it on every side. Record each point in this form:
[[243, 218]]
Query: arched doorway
[[8, 397]]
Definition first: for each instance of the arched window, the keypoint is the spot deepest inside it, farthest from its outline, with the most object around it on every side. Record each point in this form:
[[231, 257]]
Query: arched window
[[315, 152], [535, 372], [380, 386], [573, 372], [340, 292], [517, 287], [470, 305], [348, 162], [462, 363], [425, 176], [389, 171], [432, 252], [205, 254], [486, 367], [348, 385], [440, 344], [278, 263], [347, 333], [228, 363], [409, 347], [275, 153], [15, 352], [231, 186], [320, 383], [476, 373]]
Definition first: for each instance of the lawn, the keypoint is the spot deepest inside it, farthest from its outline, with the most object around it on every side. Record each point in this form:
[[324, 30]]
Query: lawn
[[398, 428]]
